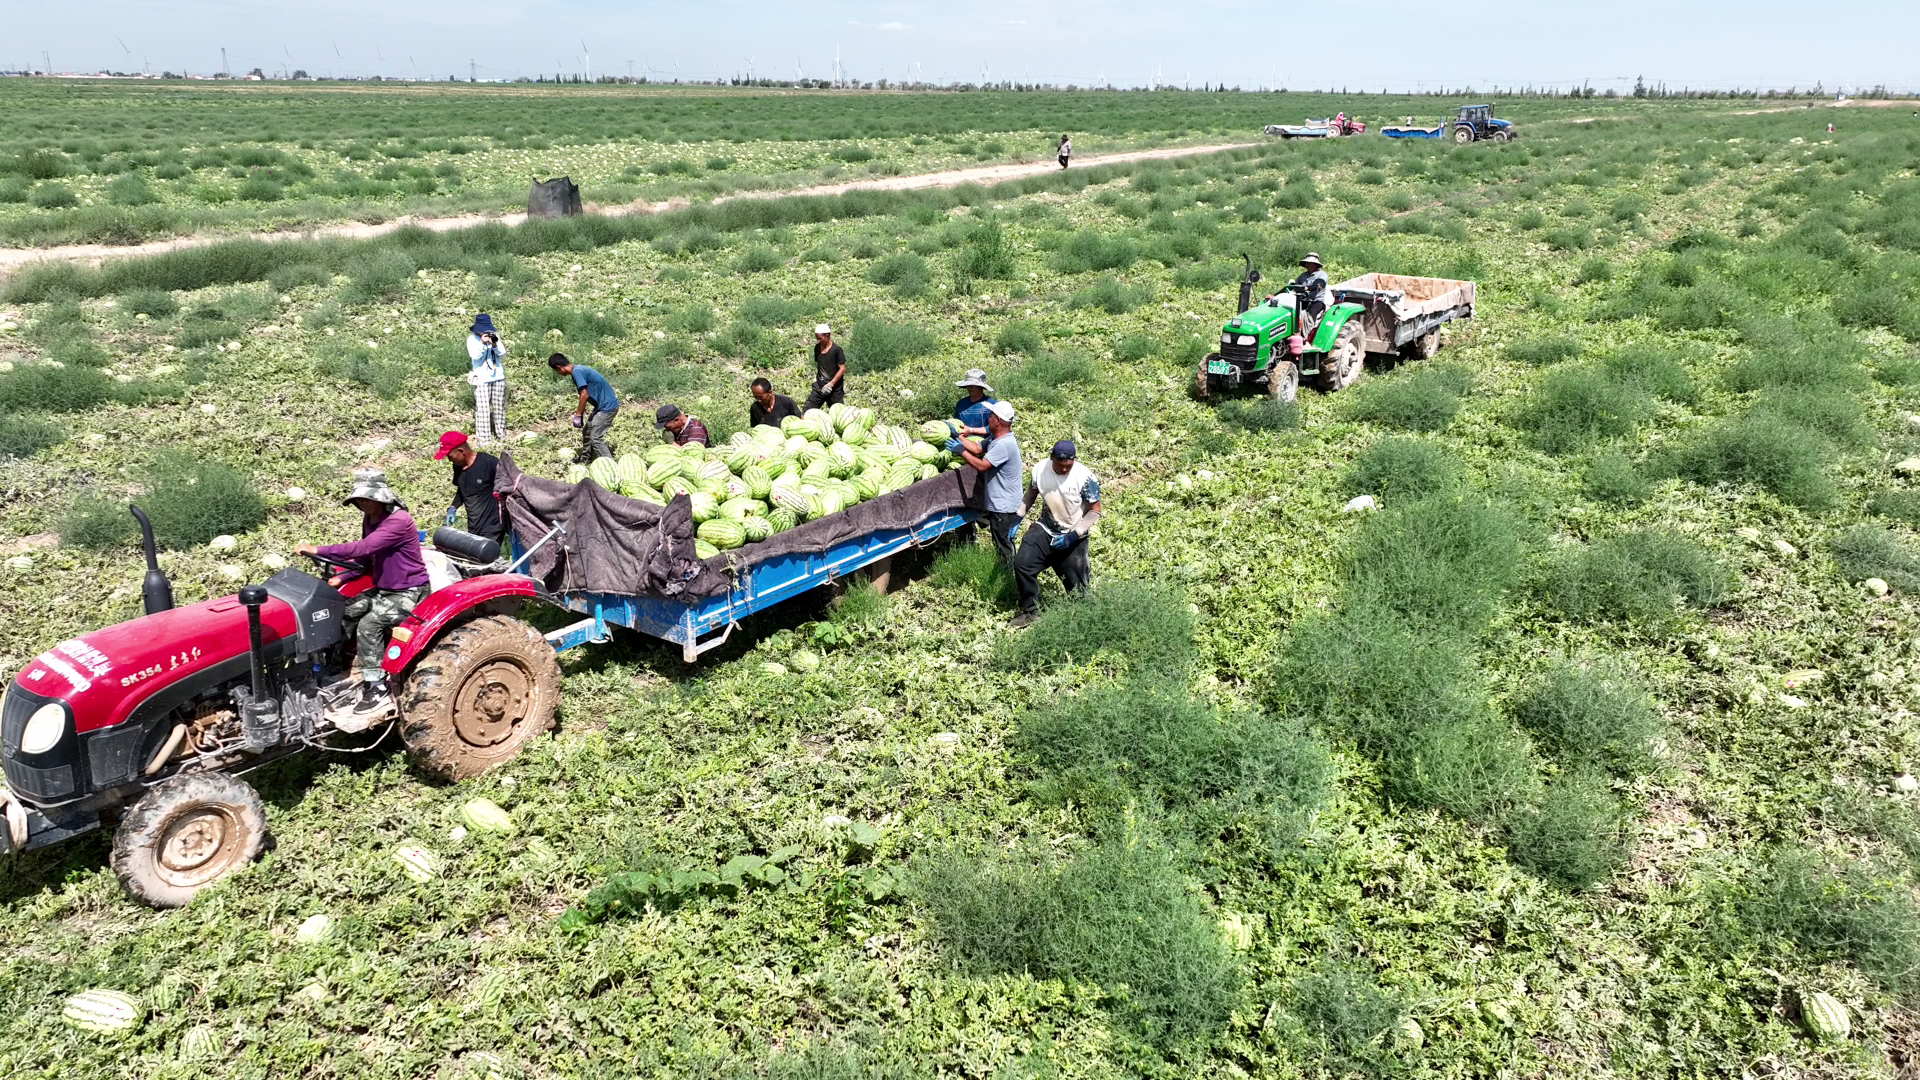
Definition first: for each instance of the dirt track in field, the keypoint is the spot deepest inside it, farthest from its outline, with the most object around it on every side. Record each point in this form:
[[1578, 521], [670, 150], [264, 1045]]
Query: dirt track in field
[[12, 259]]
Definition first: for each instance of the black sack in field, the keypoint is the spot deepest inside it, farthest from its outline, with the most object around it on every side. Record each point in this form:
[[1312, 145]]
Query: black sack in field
[[558, 197]]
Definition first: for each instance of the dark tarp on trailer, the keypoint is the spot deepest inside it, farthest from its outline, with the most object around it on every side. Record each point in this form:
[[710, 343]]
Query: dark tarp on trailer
[[555, 198], [629, 547]]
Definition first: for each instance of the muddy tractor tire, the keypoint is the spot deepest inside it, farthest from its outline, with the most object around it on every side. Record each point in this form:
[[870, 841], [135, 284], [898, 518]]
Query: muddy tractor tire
[[1422, 347], [483, 691], [1203, 382], [1462, 135], [1283, 381], [1345, 360], [185, 834]]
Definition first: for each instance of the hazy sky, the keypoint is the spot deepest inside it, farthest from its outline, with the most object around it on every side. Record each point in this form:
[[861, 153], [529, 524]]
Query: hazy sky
[[1358, 44]]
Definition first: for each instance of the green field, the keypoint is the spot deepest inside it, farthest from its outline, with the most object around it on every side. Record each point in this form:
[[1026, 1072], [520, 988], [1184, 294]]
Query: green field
[[1585, 755]]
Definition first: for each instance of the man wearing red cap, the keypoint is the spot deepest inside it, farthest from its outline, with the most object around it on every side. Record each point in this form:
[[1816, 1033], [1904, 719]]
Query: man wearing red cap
[[472, 486]]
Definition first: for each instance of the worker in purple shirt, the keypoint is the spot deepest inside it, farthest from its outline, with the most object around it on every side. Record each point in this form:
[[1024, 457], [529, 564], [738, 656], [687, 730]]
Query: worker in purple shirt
[[389, 552]]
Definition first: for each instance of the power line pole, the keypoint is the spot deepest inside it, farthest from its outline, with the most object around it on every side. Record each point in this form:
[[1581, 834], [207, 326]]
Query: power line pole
[[224, 70], [471, 71]]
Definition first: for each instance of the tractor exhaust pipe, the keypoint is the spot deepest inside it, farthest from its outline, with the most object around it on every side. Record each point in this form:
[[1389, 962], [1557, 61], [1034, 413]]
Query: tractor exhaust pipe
[[259, 714], [1246, 285], [156, 592]]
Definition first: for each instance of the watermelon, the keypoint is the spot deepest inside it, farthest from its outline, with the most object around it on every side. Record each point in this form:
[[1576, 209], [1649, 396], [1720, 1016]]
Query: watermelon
[[722, 533], [929, 470], [676, 485], [841, 454], [200, 1044], [713, 485], [898, 477], [103, 1012], [713, 470], [645, 494], [604, 472], [792, 426], [767, 435], [758, 481], [660, 452], [867, 485], [880, 453], [937, 431], [818, 469], [662, 471], [789, 498], [811, 453], [736, 488], [1825, 1017], [757, 528], [705, 506], [803, 660], [740, 509], [816, 505], [576, 473], [839, 412], [923, 451], [419, 863], [832, 501], [737, 458], [782, 519], [483, 815], [773, 667], [315, 929], [692, 451], [630, 470], [704, 549], [815, 418]]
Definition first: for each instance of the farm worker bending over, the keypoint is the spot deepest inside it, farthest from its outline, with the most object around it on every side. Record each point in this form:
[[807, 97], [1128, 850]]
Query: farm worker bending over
[[972, 409], [489, 379], [1001, 463], [829, 370], [1069, 497], [1315, 295], [472, 485], [597, 393], [389, 549], [768, 407], [681, 428]]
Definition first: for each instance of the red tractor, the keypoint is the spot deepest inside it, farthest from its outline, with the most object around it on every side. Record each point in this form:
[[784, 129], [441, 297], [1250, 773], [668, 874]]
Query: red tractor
[[147, 726]]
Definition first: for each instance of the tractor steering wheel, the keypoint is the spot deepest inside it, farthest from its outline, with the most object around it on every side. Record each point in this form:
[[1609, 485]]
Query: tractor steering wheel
[[338, 564]]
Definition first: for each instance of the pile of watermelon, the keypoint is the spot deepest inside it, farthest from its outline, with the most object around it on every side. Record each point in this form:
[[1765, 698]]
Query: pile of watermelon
[[769, 479]]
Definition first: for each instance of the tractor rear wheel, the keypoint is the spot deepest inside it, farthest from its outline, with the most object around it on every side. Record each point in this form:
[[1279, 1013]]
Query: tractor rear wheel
[[1203, 382], [1462, 135], [486, 688], [1345, 360], [185, 834], [1283, 381]]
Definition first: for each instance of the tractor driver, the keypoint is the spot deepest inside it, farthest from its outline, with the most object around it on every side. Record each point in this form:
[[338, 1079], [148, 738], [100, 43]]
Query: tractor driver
[[1315, 295], [389, 548]]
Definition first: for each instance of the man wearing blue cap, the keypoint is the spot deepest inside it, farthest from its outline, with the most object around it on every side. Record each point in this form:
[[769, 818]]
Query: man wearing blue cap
[[489, 381], [1069, 497]]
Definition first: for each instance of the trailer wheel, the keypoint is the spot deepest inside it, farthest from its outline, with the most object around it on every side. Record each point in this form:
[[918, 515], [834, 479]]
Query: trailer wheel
[[1344, 361], [1462, 135], [1422, 347], [477, 696], [186, 833], [1283, 381], [1202, 381]]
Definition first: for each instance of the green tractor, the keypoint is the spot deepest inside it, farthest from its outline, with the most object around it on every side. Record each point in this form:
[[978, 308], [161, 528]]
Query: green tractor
[[1262, 346]]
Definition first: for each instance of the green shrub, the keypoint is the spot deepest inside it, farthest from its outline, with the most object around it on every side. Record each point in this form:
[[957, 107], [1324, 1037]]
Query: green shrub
[[977, 567], [1345, 1006], [191, 501], [381, 273], [128, 189], [1133, 348], [1299, 193], [1590, 715], [1613, 478], [43, 164], [1399, 467], [1836, 910], [1118, 916], [1826, 411], [1147, 624], [1897, 506], [25, 436], [51, 196], [1437, 562], [757, 258], [96, 524], [1570, 238], [1093, 250], [1753, 448], [1638, 576], [986, 254], [1043, 377], [156, 303], [1110, 744], [1260, 413], [1576, 406], [1466, 762], [1528, 219], [292, 276], [907, 273], [1426, 400], [692, 319], [14, 190], [358, 364], [1593, 270], [1110, 295], [876, 345], [576, 327], [661, 377], [40, 387], [1572, 837], [1869, 551], [1543, 351], [1019, 338], [1658, 370], [776, 310], [821, 253]]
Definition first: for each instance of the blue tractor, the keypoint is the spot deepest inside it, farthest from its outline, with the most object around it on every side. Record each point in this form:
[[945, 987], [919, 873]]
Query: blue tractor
[[1477, 122]]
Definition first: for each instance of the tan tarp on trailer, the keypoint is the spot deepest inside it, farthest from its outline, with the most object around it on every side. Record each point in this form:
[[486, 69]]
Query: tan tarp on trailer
[[1401, 309]]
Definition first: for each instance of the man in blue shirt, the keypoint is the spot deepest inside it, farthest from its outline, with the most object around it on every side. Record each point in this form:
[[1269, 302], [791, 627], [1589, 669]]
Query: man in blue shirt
[[972, 409], [1001, 462], [596, 392]]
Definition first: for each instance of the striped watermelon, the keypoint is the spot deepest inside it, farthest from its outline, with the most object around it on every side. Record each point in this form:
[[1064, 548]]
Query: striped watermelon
[[722, 533], [736, 488], [758, 481], [660, 452], [645, 494], [937, 430], [840, 413], [737, 458], [484, 815], [631, 471], [832, 501], [819, 468], [767, 435], [867, 485], [923, 451], [315, 929], [900, 437], [788, 496], [782, 519], [929, 470], [576, 473], [842, 456], [793, 426], [898, 477], [703, 549], [757, 529], [676, 485], [604, 472], [713, 470], [816, 505], [739, 509], [200, 1044], [103, 1012], [704, 507], [1825, 1017], [794, 445], [663, 470], [419, 863]]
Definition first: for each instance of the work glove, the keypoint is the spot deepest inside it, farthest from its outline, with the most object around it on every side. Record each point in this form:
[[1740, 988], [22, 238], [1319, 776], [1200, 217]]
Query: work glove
[[451, 514], [953, 446], [1064, 541], [1013, 533], [576, 419]]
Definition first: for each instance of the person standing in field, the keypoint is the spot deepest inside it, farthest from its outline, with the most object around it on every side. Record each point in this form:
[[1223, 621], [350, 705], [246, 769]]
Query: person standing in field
[[971, 411], [1000, 461], [829, 370], [489, 381], [1066, 150], [1069, 498], [473, 474], [595, 393]]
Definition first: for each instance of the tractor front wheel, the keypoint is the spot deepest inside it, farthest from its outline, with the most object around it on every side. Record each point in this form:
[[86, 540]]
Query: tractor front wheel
[[1345, 360], [1499, 136], [1202, 381], [1283, 381], [185, 834], [1462, 135], [486, 688]]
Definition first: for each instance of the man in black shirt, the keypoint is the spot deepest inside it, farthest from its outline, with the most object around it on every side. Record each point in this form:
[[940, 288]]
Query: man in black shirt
[[768, 407], [829, 370], [472, 486]]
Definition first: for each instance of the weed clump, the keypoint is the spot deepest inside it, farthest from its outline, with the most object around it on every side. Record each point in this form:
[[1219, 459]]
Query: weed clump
[[1657, 370], [1785, 459], [1259, 414], [1345, 1006], [1572, 836], [1399, 466], [876, 345], [192, 501], [576, 327], [1869, 551], [1591, 716], [767, 310], [976, 567], [1644, 575], [1896, 506], [1440, 562], [1613, 478], [1577, 406], [1019, 338], [57, 390], [1543, 351], [1118, 916], [25, 436], [756, 259], [358, 364], [1042, 377], [1146, 623], [380, 274], [153, 303], [1427, 400], [1839, 910], [96, 524], [908, 274], [1110, 295]]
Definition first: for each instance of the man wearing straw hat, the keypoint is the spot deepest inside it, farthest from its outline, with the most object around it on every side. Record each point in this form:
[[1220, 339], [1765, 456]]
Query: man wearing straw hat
[[388, 551], [489, 380]]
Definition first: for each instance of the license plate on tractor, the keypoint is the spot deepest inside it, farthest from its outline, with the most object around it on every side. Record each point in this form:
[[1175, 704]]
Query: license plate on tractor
[[1219, 367]]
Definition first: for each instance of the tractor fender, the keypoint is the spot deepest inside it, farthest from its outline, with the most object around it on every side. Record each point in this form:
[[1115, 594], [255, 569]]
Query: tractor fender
[[417, 632], [1329, 329]]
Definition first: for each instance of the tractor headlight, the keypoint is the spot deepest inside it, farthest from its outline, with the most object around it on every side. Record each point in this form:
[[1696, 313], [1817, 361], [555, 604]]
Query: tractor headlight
[[44, 728], [1245, 339], [1226, 339]]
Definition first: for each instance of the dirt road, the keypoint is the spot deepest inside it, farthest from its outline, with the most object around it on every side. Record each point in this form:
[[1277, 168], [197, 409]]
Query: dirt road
[[92, 254]]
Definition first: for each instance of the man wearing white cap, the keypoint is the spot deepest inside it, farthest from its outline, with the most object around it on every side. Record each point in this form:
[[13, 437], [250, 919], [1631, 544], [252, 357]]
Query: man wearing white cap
[[1001, 462], [1069, 498], [971, 411], [829, 370]]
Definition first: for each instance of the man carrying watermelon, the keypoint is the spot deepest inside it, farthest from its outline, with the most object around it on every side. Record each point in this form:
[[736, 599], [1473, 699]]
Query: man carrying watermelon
[[1069, 497], [1001, 462]]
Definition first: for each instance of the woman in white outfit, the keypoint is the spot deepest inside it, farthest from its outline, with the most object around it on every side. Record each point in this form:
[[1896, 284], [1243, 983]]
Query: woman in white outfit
[[489, 379]]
